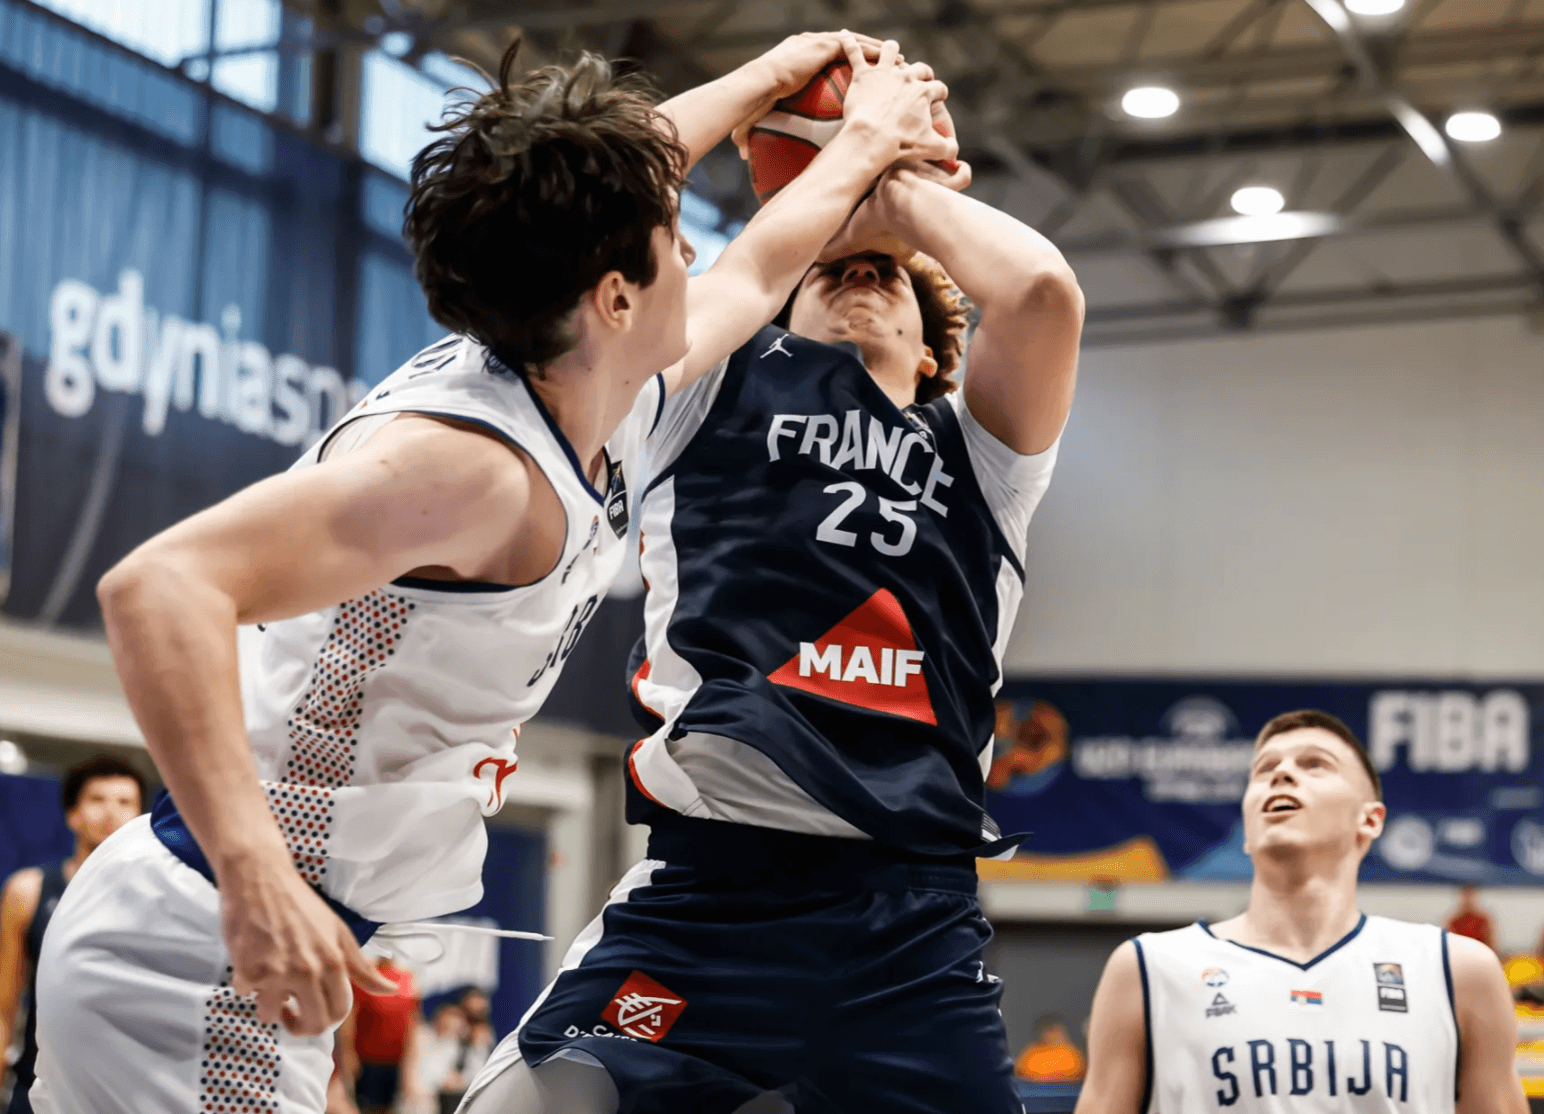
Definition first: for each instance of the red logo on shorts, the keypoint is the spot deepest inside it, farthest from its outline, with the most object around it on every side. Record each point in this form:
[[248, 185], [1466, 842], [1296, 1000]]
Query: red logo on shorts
[[643, 1008]]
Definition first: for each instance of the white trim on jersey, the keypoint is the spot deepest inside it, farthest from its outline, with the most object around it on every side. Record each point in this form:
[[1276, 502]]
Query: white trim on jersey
[[1013, 483]]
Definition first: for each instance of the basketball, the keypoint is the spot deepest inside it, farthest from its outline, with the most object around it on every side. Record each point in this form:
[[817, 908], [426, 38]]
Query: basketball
[[787, 139]]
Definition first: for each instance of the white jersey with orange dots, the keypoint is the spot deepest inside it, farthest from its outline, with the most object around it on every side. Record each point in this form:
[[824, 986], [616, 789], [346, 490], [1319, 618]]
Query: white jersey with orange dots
[[384, 728], [1366, 1026]]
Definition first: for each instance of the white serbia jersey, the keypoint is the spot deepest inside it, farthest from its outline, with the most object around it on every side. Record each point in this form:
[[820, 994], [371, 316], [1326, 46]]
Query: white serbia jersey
[[1366, 1026], [384, 727]]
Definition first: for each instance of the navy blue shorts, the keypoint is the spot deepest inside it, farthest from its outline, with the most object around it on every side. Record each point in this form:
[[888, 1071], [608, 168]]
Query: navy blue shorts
[[742, 960]]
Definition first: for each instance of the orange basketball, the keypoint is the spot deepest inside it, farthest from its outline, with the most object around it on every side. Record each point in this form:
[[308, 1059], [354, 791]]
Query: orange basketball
[[787, 139]]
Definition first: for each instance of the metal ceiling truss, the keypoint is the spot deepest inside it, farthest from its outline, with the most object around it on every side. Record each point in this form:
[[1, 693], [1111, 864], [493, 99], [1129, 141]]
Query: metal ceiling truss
[[1260, 88]]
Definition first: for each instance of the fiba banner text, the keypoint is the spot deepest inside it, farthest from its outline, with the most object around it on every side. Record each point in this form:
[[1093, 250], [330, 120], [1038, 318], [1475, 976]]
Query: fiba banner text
[[1142, 780]]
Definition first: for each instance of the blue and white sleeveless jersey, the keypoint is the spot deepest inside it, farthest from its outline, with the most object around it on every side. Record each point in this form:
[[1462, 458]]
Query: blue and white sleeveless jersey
[[1368, 1026], [831, 585], [384, 727]]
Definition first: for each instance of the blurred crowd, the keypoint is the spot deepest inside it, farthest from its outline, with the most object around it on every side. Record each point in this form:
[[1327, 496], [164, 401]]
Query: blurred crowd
[[389, 1058]]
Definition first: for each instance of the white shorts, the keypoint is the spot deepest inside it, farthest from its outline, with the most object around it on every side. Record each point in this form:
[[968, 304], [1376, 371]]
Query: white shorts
[[135, 1010]]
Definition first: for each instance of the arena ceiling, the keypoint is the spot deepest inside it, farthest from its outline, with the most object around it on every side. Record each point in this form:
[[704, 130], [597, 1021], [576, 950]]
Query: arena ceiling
[[1387, 218]]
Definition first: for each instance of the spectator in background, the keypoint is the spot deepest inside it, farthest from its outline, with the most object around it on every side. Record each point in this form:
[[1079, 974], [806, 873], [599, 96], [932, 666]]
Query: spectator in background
[[99, 796], [442, 1052], [1053, 1058], [480, 1037], [1470, 920], [378, 1043]]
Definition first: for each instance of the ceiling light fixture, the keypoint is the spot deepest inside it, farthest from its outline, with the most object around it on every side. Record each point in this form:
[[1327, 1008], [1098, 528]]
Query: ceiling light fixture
[[1150, 102], [1258, 201], [1473, 127], [1374, 7]]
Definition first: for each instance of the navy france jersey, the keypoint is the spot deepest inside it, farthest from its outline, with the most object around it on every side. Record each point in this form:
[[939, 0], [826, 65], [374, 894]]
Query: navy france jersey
[[831, 585], [1367, 1026]]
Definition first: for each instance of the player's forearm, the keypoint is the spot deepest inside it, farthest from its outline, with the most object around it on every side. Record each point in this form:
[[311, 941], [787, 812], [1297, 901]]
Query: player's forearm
[[173, 641], [999, 262], [705, 116], [785, 237]]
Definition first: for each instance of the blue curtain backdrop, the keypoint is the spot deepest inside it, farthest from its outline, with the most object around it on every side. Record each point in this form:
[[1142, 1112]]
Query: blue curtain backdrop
[[199, 292], [32, 828]]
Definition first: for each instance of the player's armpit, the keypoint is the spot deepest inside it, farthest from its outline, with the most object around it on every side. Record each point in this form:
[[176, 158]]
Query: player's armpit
[[1117, 1039], [1487, 1028]]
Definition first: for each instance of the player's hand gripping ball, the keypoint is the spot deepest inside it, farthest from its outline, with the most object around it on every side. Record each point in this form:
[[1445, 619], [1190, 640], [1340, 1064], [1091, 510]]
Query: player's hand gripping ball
[[786, 140]]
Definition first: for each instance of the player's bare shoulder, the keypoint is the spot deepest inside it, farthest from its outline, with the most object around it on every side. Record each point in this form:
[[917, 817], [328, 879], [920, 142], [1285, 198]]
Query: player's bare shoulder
[[20, 895], [487, 497]]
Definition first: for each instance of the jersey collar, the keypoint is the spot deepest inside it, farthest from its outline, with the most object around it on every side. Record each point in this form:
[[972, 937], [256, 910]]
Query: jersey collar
[[519, 371], [1325, 954]]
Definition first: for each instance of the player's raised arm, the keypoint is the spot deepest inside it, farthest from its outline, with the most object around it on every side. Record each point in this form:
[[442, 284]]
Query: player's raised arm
[[705, 116], [1117, 1039], [1024, 355], [1487, 1032], [887, 115]]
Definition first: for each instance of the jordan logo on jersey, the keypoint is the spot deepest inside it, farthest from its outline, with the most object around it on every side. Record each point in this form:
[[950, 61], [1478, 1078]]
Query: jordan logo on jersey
[[643, 1008], [869, 659], [777, 346]]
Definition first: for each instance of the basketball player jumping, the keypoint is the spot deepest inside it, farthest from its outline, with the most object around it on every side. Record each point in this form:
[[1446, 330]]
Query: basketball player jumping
[[1301, 1003], [330, 762], [834, 547]]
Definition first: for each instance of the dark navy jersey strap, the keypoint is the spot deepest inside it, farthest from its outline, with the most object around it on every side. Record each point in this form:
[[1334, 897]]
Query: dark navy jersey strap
[[659, 408], [170, 828], [1447, 975], [430, 585], [1147, 1028], [49, 892], [561, 438]]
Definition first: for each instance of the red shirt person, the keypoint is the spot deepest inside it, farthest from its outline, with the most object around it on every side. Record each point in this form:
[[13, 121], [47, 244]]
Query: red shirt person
[[1472, 921], [379, 1042]]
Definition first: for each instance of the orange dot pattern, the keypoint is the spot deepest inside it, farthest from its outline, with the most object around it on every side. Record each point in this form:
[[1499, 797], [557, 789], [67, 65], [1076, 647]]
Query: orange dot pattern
[[324, 728], [239, 1072]]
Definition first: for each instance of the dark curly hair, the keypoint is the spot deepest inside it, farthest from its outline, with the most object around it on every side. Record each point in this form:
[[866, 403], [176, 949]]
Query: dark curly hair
[[538, 188], [945, 321], [97, 766]]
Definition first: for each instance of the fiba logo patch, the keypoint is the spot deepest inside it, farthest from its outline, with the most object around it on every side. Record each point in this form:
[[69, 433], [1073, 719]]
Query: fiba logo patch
[[1214, 977], [643, 1008], [1391, 988]]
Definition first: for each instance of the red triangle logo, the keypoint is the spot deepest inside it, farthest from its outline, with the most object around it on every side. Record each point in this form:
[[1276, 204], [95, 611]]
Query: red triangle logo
[[869, 659]]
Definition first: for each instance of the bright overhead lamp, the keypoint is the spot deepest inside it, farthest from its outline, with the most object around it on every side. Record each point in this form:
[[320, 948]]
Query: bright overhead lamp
[[1258, 201], [1374, 7], [1150, 102], [1473, 127]]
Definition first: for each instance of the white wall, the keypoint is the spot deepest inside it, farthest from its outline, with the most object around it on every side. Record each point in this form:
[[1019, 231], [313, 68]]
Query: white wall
[[1355, 502]]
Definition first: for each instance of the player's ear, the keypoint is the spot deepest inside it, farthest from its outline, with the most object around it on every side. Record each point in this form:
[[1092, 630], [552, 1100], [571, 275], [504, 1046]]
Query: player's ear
[[1373, 815], [928, 368], [612, 302]]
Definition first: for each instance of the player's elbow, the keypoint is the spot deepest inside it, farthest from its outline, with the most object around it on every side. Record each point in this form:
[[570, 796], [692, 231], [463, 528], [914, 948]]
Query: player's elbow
[[1050, 291], [124, 588]]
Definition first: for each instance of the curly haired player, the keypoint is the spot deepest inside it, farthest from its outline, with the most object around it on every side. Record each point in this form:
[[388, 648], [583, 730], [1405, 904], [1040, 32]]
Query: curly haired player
[[833, 541]]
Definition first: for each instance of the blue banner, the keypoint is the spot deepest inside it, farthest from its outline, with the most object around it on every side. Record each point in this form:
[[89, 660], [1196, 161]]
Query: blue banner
[[1141, 780]]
